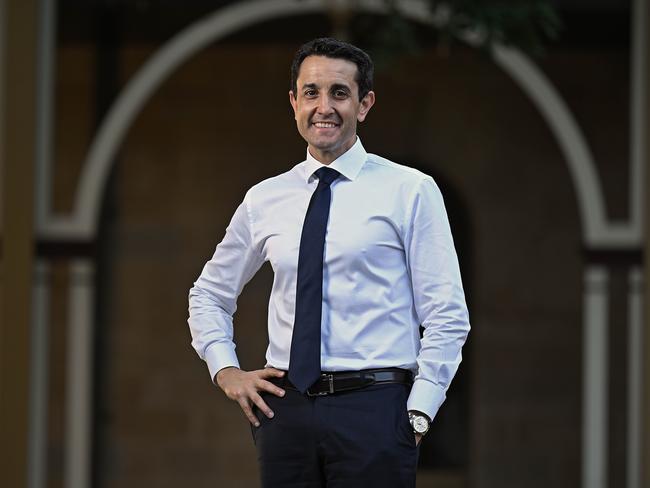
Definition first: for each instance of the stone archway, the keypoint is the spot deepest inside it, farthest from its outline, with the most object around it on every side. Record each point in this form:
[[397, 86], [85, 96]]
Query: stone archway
[[82, 223]]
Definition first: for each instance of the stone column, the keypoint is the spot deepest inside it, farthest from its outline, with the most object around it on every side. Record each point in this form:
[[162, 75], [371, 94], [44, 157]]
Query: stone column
[[595, 368]]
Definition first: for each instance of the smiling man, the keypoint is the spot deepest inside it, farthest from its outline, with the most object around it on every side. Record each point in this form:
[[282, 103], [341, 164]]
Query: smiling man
[[363, 256], [328, 103]]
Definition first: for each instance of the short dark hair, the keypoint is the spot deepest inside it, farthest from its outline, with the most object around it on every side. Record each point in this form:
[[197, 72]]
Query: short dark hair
[[333, 48]]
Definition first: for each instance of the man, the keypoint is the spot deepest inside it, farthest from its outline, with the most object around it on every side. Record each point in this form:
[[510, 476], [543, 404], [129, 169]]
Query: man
[[363, 255]]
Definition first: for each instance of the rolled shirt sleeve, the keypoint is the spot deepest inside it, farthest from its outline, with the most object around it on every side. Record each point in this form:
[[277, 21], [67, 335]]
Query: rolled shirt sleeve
[[438, 297], [213, 298]]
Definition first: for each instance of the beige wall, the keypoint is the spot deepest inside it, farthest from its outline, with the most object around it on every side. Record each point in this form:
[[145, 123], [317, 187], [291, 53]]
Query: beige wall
[[2, 111], [16, 193], [192, 153]]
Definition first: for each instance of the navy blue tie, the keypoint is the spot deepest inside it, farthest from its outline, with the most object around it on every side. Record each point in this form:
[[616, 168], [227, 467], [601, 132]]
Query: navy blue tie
[[304, 362]]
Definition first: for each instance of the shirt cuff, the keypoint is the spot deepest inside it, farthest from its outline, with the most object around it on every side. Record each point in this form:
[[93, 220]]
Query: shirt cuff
[[219, 356], [426, 397]]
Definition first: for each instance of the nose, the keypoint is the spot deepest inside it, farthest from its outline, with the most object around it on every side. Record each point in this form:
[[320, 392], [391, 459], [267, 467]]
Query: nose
[[324, 105]]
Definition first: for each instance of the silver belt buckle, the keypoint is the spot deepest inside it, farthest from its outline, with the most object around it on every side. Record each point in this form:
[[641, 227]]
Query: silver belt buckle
[[330, 380]]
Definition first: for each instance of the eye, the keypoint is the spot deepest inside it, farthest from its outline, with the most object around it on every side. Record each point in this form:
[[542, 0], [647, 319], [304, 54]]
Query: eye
[[310, 92], [340, 93]]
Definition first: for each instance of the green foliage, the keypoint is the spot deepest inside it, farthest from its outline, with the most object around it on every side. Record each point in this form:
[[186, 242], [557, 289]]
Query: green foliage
[[525, 24]]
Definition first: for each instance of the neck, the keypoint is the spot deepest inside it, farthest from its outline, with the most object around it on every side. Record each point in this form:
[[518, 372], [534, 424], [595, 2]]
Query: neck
[[327, 157]]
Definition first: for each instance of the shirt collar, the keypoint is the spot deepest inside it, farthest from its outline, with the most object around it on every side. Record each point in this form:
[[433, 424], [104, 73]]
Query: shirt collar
[[348, 164]]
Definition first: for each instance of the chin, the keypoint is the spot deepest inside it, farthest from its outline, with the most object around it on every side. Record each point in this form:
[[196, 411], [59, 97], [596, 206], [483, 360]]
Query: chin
[[325, 145], [326, 148]]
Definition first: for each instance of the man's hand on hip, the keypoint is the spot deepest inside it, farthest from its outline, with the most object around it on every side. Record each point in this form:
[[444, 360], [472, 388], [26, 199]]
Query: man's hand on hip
[[418, 438], [243, 387]]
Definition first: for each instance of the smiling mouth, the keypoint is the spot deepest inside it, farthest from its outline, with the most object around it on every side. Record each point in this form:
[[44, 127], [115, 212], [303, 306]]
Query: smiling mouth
[[324, 125]]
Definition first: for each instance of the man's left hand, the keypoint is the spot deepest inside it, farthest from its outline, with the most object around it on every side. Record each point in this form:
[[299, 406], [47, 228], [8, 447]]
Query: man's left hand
[[418, 438]]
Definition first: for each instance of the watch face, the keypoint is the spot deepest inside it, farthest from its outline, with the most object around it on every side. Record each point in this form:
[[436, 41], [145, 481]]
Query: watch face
[[420, 424]]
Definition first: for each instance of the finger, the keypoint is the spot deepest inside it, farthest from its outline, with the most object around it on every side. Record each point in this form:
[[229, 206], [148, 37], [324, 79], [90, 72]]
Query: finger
[[261, 404], [271, 373], [264, 385], [248, 411]]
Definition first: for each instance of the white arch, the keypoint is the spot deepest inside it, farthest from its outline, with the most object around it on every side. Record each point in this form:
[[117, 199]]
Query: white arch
[[83, 222]]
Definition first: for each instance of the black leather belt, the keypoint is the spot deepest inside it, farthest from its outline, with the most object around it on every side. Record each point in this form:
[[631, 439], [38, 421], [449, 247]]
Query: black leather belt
[[334, 382]]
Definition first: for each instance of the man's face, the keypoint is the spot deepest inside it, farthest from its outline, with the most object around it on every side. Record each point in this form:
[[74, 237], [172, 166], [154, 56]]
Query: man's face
[[327, 106]]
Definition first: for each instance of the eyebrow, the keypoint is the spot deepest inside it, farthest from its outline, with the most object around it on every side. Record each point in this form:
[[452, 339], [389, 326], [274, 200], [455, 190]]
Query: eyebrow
[[335, 86], [340, 86]]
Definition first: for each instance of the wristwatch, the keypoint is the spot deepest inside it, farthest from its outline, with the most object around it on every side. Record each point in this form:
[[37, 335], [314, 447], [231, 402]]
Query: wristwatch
[[419, 422]]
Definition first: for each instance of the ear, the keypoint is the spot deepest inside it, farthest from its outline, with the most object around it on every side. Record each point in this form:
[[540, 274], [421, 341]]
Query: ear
[[366, 104], [293, 102]]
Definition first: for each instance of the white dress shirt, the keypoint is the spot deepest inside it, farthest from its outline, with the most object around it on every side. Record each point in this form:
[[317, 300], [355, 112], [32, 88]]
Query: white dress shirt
[[389, 267]]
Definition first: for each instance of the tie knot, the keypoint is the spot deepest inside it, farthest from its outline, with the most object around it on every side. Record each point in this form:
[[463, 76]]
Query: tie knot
[[327, 175]]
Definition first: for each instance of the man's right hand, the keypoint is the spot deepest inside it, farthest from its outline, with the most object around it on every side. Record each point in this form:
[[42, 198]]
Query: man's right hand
[[243, 387]]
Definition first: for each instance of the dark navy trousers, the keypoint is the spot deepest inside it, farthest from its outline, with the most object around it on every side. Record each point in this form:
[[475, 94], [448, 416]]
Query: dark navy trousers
[[355, 439]]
